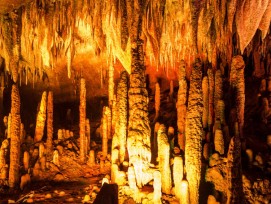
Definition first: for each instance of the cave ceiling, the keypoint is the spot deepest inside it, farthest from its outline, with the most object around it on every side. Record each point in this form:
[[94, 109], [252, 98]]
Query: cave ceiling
[[52, 43]]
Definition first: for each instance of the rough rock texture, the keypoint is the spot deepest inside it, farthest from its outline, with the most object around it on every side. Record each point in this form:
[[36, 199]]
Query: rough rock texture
[[205, 92], [181, 104], [41, 118], [194, 132], [50, 109], [82, 120], [164, 157], [237, 82], [14, 174]]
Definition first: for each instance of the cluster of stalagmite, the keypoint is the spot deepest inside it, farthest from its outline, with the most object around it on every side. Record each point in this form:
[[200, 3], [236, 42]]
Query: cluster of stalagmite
[[164, 157], [194, 132], [82, 120], [50, 108], [181, 104], [237, 82], [14, 168], [41, 118]]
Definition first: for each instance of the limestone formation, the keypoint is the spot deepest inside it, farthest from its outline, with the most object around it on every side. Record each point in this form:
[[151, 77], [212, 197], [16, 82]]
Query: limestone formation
[[105, 133], [9, 125], [185, 195], [171, 90], [14, 168], [218, 93], [25, 179], [205, 96], [50, 109], [82, 120], [41, 117], [178, 171], [157, 100], [157, 187], [181, 104], [41, 150], [219, 141], [26, 160], [110, 84], [237, 82], [91, 158], [22, 133], [164, 156], [193, 132], [220, 111], [56, 158], [211, 84], [88, 139]]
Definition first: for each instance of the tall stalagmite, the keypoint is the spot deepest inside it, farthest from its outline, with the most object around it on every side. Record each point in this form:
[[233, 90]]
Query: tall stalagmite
[[211, 84], [164, 157], [41, 118], [122, 107], [205, 92], [50, 109], [194, 132], [105, 131], [82, 120], [237, 82], [218, 94], [15, 149], [110, 84], [181, 104]]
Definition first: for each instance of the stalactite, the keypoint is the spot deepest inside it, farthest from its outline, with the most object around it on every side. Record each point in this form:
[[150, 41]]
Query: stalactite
[[234, 172], [164, 157], [178, 170], [157, 100], [82, 120], [41, 117], [237, 82], [181, 104], [205, 92], [15, 148], [122, 107], [50, 114], [193, 132]]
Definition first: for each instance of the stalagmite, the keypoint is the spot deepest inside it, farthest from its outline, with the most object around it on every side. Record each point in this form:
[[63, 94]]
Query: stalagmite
[[219, 142], [82, 120], [41, 117], [139, 132], [237, 82], [181, 104], [205, 93], [110, 84], [50, 109], [25, 179], [9, 125], [157, 187], [122, 107], [108, 115], [218, 93], [26, 160], [193, 132], [91, 158], [14, 176], [185, 196], [104, 133], [234, 172], [164, 156], [157, 100], [41, 150], [178, 171], [56, 158], [22, 133], [220, 111], [87, 135]]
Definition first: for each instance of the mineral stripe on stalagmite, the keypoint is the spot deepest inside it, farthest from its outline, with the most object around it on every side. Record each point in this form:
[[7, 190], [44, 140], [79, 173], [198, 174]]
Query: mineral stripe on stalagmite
[[193, 133], [82, 119], [15, 149]]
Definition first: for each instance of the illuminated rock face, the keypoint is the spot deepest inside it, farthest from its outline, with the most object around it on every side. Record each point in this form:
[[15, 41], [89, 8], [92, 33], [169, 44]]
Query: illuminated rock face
[[14, 174], [41, 118], [193, 132]]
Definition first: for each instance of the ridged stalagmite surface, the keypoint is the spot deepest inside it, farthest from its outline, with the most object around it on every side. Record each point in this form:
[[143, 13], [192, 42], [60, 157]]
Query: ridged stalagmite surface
[[181, 104], [41, 118], [234, 172], [237, 82], [122, 108], [82, 119], [50, 109], [14, 174], [205, 92], [194, 132], [164, 157]]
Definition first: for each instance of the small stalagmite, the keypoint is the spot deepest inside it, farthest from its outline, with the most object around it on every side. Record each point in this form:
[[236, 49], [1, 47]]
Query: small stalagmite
[[205, 92], [91, 158], [25, 180], [26, 160], [185, 196], [164, 157], [41, 117], [14, 174], [82, 120], [22, 133], [220, 111], [104, 134], [194, 132], [56, 158], [87, 135], [178, 171], [50, 109], [237, 82], [219, 142], [181, 104], [157, 187], [3, 153], [41, 150], [157, 100], [211, 84]]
